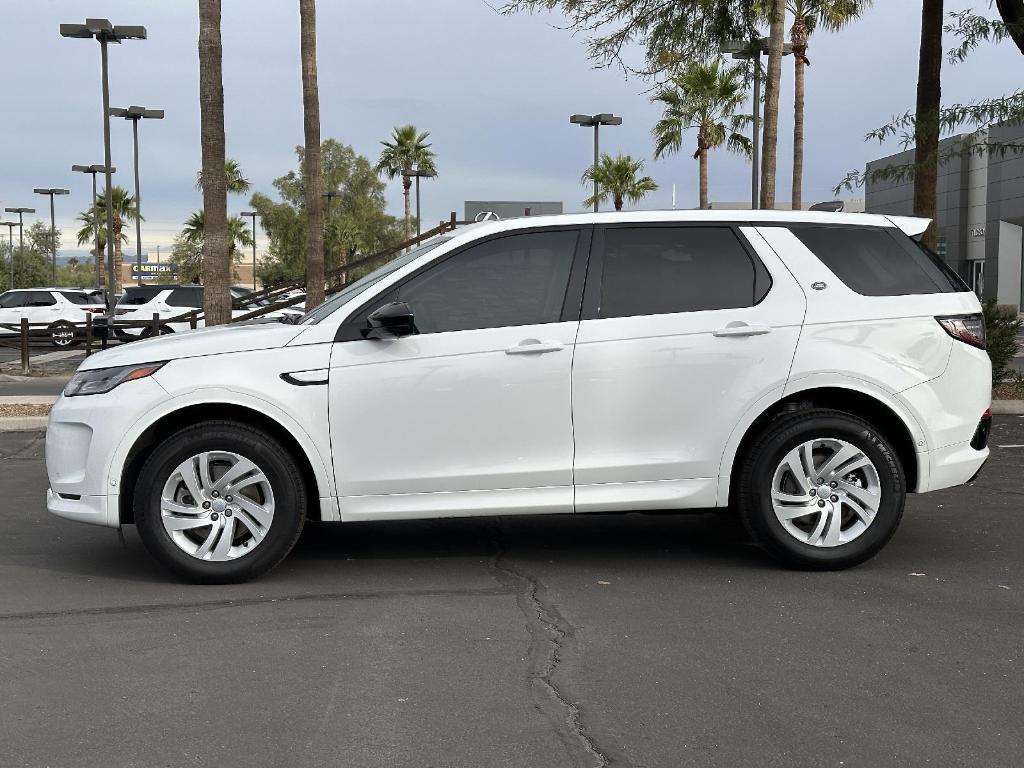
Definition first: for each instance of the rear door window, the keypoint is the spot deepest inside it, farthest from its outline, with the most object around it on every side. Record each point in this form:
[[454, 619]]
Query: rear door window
[[41, 299], [878, 261], [663, 270], [186, 297]]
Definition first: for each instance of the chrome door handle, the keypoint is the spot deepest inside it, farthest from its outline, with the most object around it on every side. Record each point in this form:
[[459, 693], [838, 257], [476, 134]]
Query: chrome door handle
[[742, 329], [534, 347]]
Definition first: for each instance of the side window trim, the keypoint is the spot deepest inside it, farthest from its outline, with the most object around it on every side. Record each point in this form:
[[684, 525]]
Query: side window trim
[[595, 271], [350, 329]]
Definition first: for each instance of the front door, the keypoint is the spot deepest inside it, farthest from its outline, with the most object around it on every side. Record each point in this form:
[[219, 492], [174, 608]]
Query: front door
[[472, 415], [684, 329], [11, 304]]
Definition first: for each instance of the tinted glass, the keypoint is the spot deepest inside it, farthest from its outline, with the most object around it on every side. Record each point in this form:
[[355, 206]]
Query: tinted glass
[[141, 295], [514, 280], [75, 298], [660, 270], [878, 261], [12, 299], [186, 297], [41, 299]]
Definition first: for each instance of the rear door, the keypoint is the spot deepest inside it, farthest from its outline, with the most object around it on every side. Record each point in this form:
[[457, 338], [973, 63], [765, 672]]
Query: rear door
[[684, 329]]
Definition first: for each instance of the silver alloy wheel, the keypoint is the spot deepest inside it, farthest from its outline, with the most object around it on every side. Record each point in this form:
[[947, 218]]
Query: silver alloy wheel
[[217, 506], [826, 492]]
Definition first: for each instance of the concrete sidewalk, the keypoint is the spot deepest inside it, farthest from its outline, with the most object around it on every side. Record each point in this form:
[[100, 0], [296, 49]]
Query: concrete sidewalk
[[20, 422]]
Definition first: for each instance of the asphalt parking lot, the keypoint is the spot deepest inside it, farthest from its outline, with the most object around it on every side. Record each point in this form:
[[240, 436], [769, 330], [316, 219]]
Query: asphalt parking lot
[[638, 640]]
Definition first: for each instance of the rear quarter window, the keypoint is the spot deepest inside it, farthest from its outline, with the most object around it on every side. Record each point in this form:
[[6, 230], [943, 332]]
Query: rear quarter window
[[878, 261]]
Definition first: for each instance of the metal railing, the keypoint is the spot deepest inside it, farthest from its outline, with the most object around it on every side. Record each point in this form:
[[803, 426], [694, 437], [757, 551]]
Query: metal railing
[[99, 336]]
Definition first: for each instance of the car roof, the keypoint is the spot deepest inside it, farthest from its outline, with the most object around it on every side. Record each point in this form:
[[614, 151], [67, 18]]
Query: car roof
[[912, 226]]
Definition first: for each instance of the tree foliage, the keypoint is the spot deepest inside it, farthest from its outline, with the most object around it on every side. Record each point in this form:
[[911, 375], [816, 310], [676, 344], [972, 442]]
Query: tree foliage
[[234, 180], [31, 261], [355, 221], [1001, 328], [671, 32], [618, 179]]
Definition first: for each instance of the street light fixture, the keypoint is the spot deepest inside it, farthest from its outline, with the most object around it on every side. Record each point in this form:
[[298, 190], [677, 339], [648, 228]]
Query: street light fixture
[[21, 234], [105, 32], [135, 114], [93, 170], [253, 215], [419, 173], [53, 227], [595, 121], [751, 50]]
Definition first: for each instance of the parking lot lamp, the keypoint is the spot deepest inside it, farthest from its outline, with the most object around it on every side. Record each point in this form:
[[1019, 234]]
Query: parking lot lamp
[[21, 234], [105, 32], [595, 122], [53, 228], [93, 170], [10, 237], [419, 173]]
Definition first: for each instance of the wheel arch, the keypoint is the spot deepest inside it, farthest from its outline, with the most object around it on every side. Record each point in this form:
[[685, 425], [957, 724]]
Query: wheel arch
[[174, 420], [899, 428]]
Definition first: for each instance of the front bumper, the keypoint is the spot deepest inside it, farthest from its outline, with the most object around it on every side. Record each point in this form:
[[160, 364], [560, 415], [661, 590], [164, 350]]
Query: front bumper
[[82, 438]]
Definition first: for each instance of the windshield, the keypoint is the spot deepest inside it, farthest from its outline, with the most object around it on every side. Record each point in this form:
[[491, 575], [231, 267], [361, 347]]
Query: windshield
[[360, 285]]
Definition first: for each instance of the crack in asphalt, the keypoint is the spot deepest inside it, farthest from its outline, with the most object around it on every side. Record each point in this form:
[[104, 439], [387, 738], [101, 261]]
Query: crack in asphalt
[[549, 633], [250, 601], [19, 453]]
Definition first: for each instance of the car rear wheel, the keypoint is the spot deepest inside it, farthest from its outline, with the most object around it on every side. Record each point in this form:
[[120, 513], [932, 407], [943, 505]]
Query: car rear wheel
[[220, 502], [163, 330], [821, 489], [62, 334]]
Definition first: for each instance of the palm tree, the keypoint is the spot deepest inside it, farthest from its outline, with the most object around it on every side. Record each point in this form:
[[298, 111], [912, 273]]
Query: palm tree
[[773, 79], [216, 256], [239, 235], [408, 149], [808, 15], [85, 236], [926, 124], [705, 97], [125, 210], [617, 179], [234, 179], [311, 158]]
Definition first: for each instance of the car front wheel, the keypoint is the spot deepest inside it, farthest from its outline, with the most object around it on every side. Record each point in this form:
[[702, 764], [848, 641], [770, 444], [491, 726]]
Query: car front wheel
[[220, 502], [821, 489]]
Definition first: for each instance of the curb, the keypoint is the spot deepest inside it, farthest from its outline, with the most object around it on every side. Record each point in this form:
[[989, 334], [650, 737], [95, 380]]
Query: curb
[[23, 424], [28, 399], [1008, 407]]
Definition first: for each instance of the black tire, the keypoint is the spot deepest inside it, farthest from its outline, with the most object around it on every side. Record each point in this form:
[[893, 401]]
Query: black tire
[[64, 331], [269, 455], [757, 471]]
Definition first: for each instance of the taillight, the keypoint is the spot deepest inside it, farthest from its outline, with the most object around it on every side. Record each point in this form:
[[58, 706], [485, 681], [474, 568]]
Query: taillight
[[121, 311], [94, 310], [969, 329]]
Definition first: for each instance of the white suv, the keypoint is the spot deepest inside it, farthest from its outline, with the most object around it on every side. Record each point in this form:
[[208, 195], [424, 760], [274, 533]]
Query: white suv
[[139, 303], [807, 369], [59, 309]]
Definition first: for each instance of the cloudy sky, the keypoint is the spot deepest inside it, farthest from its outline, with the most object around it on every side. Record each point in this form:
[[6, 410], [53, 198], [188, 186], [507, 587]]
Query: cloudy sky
[[495, 92]]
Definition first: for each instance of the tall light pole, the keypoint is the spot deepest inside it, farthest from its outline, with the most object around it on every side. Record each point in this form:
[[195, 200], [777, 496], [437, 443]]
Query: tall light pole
[[94, 169], [53, 228], [21, 234], [253, 215], [751, 50], [10, 238], [135, 114], [595, 122], [105, 32], [419, 173]]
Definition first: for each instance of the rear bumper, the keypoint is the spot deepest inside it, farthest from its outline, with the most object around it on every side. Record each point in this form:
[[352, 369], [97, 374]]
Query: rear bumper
[[952, 465]]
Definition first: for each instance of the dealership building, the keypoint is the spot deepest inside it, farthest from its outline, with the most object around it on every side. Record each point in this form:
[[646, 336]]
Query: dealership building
[[980, 211]]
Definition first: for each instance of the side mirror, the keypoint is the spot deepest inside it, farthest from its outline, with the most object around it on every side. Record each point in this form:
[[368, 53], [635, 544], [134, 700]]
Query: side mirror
[[391, 320]]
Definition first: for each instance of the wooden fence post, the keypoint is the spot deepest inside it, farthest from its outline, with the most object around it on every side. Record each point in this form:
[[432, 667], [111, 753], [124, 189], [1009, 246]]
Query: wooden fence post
[[88, 333], [192, 321], [156, 324], [25, 365]]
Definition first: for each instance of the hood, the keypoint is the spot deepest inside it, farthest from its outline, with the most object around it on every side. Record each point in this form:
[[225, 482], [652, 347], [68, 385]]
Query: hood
[[204, 341]]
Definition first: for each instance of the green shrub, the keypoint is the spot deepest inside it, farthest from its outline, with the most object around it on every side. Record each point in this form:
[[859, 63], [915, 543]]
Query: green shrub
[[1001, 328]]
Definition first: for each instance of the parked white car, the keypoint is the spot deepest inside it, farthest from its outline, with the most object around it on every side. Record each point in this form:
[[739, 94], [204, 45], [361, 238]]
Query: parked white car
[[59, 309], [139, 303], [807, 369]]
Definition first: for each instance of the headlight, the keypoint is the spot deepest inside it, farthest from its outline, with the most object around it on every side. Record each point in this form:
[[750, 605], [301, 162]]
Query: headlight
[[101, 380]]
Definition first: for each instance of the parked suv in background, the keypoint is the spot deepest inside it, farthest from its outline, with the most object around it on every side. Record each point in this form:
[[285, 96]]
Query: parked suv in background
[[140, 302], [807, 369], [59, 309]]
